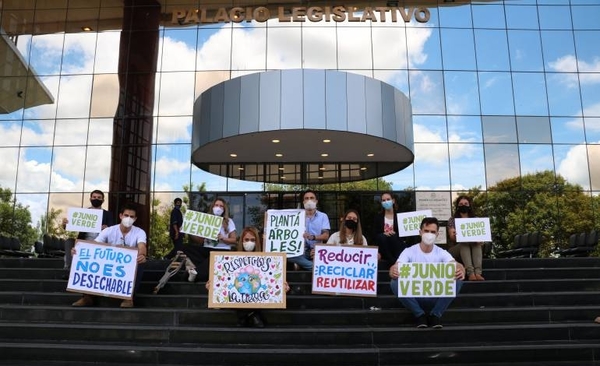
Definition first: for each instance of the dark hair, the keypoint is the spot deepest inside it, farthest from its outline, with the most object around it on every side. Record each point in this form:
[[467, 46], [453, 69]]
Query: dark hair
[[430, 220], [460, 198], [177, 200], [130, 207], [98, 192], [391, 195], [309, 191], [254, 232], [357, 232]]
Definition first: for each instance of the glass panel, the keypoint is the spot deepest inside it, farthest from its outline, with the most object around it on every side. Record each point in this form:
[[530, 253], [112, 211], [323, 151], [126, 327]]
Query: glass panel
[[488, 16], [458, 49], [530, 94], [71, 132], [62, 201], [68, 166], [455, 16], [585, 17], [78, 53], [206, 80], [404, 179], [563, 94], [38, 206], [213, 182], [554, 17], [173, 129], [8, 174], [427, 92], [100, 131], [462, 93], [533, 129], [34, 170], [46, 53], [521, 17], [559, 50], [74, 96], [535, 158], [97, 168], [572, 164], [214, 45], [492, 50], [592, 130], [248, 49], [398, 79], [501, 162], [525, 51], [175, 94], [105, 95], [34, 133], [589, 96], [496, 93], [319, 48], [467, 166], [46, 111], [464, 129], [386, 54], [106, 57], [431, 166], [594, 159], [354, 49], [429, 129], [499, 129], [423, 44], [567, 130], [284, 48], [177, 50], [171, 167]]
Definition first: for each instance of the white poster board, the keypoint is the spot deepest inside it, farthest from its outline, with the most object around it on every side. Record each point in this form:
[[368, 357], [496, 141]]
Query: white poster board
[[345, 270], [474, 229], [201, 224], [409, 223], [426, 279], [87, 220], [101, 269], [284, 231]]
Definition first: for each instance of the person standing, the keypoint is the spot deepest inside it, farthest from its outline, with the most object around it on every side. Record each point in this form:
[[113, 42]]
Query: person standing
[[427, 311], [174, 229], [470, 254]]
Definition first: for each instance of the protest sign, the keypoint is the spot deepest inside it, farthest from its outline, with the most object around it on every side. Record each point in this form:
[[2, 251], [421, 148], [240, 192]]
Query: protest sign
[[201, 224], [86, 220], [100, 269], [409, 223], [475, 229], [244, 280], [426, 279], [284, 231], [345, 270]]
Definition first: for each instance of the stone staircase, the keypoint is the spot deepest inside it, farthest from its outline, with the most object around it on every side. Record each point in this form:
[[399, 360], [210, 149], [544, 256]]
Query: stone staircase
[[528, 311]]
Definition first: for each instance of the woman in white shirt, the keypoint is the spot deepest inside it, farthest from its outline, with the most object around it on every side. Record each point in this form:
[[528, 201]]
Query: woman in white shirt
[[350, 231]]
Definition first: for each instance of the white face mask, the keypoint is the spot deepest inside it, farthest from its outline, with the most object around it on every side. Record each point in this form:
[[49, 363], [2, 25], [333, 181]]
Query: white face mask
[[127, 221], [249, 245], [310, 205], [218, 210], [428, 238]]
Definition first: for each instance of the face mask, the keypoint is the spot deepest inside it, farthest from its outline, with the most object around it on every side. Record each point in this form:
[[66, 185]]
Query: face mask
[[310, 205], [350, 224], [387, 205], [249, 245], [178, 207], [96, 203], [464, 209], [218, 211], [428, 238], [127, 221]]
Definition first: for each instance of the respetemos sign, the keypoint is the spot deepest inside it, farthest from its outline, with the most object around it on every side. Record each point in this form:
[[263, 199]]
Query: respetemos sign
[[301, 14]]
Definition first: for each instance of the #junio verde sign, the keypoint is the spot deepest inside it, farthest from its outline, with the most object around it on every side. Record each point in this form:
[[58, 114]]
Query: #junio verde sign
[[426, 279], [409, 223], [85, 220], [300, 14], [474, 229], [201, 224], [284, 231]]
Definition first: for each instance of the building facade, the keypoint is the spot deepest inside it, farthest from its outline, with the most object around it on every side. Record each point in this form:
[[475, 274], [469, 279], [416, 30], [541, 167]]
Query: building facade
[[499, 90]]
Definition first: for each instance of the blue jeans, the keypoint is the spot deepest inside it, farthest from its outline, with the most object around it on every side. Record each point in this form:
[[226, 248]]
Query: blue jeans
[[303, 261], [421, 305]]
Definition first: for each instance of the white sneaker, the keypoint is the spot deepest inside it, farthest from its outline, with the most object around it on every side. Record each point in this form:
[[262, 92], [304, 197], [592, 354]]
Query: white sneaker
[[192, 275]]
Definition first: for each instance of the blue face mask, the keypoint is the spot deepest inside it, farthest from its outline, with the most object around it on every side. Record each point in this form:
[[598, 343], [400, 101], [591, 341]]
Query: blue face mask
[[387, 205]]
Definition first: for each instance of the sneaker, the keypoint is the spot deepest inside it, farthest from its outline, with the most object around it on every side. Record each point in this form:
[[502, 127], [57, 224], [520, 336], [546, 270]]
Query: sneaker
[[422, 321], [127, 304], [192, 276], [86, 300], [435, 322]]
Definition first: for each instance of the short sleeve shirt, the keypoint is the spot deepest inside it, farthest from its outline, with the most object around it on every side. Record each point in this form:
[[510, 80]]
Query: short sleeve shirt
[[113, 235], [414, 254], [221, 245], [335, 239], [315, 225]]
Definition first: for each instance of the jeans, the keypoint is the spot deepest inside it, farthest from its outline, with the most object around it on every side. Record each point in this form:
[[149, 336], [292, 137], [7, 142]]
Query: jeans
[[436, 306], [303, 261]]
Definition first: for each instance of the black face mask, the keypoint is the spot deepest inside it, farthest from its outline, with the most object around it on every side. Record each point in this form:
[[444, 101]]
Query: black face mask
[[464, 209], [351, 224], [96, 203]]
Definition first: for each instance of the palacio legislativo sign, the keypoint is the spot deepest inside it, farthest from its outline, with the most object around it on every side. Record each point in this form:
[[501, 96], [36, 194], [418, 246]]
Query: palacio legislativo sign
[[301, 14]]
